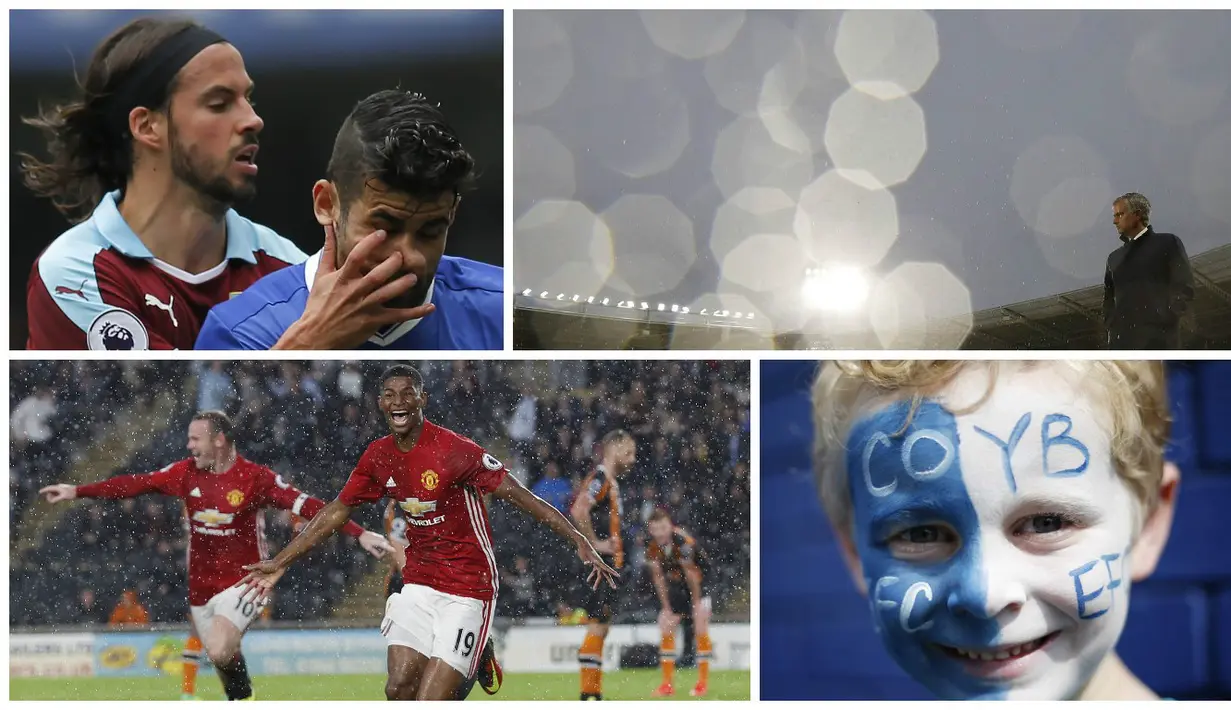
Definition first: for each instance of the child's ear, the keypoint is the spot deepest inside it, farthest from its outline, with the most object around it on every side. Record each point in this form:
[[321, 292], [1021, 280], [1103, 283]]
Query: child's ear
[[851, 556], [1157, 527]]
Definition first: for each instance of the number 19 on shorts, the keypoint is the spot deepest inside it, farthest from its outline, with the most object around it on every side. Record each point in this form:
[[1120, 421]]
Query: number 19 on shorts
[[464, 643]]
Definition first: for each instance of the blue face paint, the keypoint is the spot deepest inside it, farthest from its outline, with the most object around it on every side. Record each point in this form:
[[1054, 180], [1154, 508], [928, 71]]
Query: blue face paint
[[1023, 544], [903, 481], [1051, 440], [1007, 447], [1095, 584]]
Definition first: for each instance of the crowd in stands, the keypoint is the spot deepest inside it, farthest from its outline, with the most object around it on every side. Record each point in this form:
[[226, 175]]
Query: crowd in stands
[[311, 421], [57, 408], [690, 420]]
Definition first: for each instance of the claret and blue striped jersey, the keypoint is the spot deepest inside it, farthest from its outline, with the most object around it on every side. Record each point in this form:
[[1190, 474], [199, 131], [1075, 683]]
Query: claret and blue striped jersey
[[98, 287]]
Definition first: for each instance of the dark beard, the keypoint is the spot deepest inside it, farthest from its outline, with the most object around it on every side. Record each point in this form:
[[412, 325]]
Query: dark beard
[[216, 190], [413, 298]]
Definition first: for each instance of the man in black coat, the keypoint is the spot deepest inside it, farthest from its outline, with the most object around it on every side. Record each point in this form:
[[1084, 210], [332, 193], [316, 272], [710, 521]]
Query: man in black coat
[[1148, 283]]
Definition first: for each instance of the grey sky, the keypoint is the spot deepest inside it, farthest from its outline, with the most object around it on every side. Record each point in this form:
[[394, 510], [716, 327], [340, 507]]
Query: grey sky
[[1034, 120]]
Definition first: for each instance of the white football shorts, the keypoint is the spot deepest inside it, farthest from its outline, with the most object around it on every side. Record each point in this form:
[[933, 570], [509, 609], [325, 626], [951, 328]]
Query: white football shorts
[[439, 625], [230, 605]]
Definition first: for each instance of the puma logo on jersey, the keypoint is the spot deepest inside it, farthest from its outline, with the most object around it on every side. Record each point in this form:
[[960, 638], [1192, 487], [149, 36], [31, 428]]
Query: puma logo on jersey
[[153, 301], [66, 291]]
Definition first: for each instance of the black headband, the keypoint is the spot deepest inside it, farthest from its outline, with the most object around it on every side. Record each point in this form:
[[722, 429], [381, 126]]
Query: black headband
[[146, 84]]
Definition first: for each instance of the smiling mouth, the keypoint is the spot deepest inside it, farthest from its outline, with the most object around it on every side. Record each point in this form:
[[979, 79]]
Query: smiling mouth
[[400, 416], [1000, 653]]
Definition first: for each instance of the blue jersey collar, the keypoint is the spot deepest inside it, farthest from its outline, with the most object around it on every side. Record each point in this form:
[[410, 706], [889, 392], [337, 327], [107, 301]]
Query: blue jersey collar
[[384, 337]]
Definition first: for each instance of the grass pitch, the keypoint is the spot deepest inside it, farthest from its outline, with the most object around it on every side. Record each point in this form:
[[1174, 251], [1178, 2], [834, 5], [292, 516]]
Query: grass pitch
[[635, 684]]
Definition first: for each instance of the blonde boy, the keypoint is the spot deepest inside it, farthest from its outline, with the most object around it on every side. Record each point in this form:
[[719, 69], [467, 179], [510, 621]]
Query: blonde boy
[[996, 514]]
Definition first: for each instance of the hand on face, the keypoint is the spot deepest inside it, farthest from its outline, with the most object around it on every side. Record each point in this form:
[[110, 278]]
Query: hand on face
[[348, 305], [993, 542], [417, 230]]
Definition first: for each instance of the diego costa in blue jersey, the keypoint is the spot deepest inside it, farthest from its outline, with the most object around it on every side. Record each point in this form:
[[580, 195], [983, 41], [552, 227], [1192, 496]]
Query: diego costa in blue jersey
[[469, 315], [398, 169]]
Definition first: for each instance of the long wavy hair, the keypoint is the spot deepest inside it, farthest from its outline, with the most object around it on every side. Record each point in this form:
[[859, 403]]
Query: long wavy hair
[[87, 155]]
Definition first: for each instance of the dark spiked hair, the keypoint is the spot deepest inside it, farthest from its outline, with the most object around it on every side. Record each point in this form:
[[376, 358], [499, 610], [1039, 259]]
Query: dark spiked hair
[[403, 140]]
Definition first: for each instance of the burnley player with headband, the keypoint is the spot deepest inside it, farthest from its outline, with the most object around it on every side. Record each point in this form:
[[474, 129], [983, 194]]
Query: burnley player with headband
[[224, 494], [147, 164], [397, 170], [437, 627]]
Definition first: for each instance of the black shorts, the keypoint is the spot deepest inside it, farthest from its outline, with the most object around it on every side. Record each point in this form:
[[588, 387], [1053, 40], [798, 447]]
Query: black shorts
[[681, 598], [601, 604]]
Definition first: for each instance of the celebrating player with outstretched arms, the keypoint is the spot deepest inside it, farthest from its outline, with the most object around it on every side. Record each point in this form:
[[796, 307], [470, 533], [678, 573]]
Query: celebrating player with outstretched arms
[[224, 494], [489, 675], [437, 626]]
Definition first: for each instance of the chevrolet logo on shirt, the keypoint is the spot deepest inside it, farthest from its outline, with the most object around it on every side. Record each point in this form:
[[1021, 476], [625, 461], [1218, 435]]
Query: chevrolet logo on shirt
[[417, 507], [212, 517]]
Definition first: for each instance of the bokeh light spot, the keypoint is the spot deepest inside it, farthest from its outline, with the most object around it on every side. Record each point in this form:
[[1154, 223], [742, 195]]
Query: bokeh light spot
[[652, 240], [887, 53]]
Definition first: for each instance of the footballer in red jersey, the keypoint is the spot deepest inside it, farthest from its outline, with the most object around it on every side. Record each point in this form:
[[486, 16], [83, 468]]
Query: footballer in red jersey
[[224, 495], [437, 627], [489, 674]]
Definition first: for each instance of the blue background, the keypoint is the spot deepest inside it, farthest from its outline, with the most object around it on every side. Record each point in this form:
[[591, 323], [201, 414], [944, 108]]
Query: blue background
[[50, 40], [142, 643], [267, 652], [816, 632]]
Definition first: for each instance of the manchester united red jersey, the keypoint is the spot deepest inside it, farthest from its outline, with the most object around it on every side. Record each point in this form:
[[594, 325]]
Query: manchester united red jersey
[[98, 287], [438, 485], [224, 515]]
